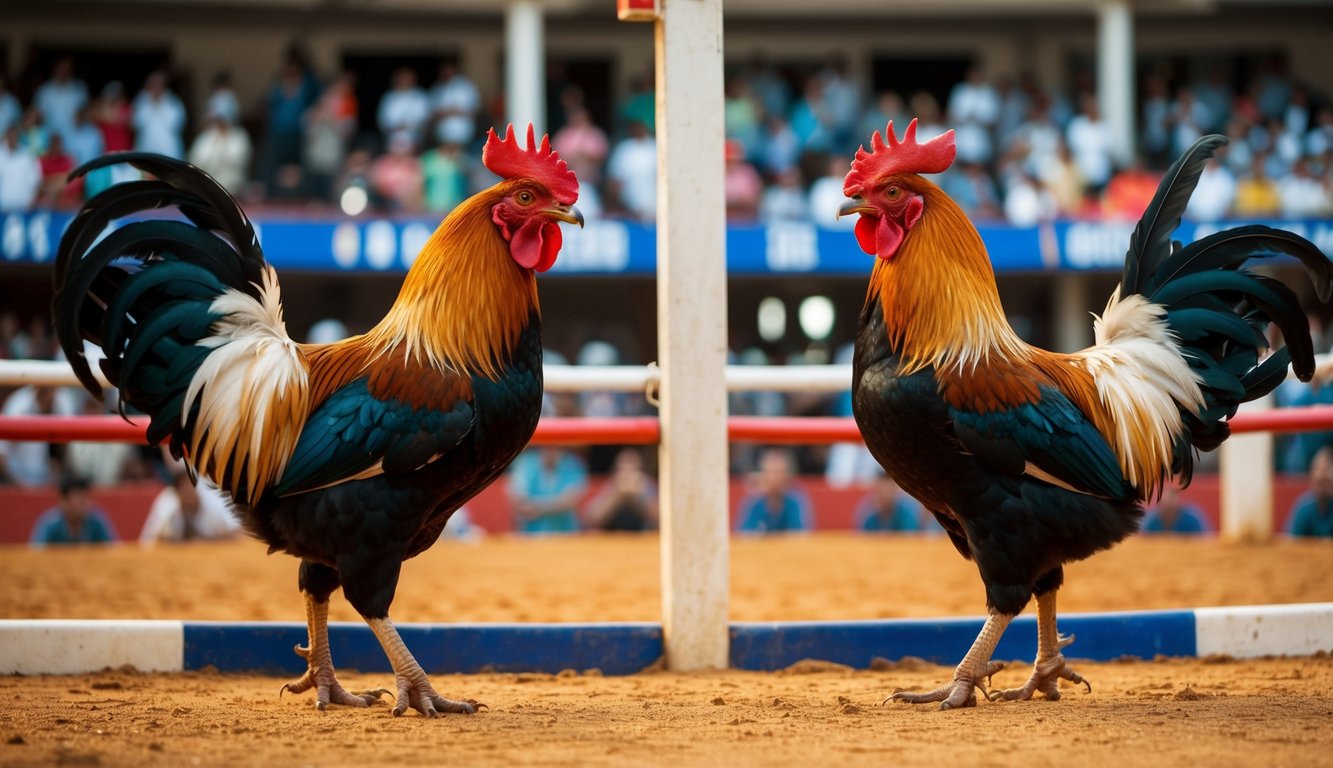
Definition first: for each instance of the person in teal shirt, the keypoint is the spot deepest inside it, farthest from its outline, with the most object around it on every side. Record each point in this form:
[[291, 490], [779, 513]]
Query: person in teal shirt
[[1171, 515], [886, 508], [1312, 514], [74, 520], [778, 504], [545, 488]]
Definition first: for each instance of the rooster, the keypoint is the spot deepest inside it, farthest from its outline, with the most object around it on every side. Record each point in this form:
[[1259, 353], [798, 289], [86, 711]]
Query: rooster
[[350, 456], [1032, 459]]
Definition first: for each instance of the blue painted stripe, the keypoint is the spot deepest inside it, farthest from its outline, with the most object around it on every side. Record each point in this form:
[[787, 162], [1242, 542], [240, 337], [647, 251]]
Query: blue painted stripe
[[1100, 637], [615, 649]]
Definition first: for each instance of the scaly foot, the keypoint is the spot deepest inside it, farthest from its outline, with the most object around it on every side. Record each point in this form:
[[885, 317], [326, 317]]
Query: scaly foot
[[327, 688], [418, 694], [958, 693], [1046, 676]]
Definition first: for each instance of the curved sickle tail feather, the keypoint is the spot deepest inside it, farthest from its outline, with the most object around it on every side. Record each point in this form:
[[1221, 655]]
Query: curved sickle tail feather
[[189, 318], [1216, 309]]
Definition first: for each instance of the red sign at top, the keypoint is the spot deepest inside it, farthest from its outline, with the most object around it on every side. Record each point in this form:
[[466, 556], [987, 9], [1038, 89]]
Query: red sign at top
[[638, 10]]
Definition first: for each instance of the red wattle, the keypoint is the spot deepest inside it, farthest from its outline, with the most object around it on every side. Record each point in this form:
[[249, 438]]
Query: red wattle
[[552, 239], [888, 238], [865, 232]]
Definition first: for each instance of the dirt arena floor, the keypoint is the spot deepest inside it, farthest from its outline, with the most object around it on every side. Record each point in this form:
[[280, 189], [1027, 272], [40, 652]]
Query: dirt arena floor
[[1216, 712]]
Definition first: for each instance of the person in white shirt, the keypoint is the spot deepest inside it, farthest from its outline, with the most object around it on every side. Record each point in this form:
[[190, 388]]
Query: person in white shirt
[[1090, 143], [188, 511], [1214, 195], [405, 109], [20, 173], [223, 150], [61, 97], [158, 119], [456, 103], [632, 172], [32, 464]]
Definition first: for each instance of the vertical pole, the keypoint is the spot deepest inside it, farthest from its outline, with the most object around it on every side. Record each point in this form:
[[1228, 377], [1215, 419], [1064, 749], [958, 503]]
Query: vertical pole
[[1073, 324], [525, 65], [1247, 483], [1115, 75], [691, 334]]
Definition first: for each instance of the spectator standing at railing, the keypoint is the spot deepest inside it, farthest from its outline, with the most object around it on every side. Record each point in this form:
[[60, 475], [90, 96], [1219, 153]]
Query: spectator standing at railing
[[1257, 194], [20, 174], [973, 108], [285, 106], [583, 145], [1214, 195], [1312, 514], [75, 519], [222, 101], [84, 141], [10, 109], [111, 114], [631, 174], [32, 464], [159, 118], [60, 98], [444, 176], [223, 149], [887, 508], [1089, 142], [742, 185], [329, 125], [456, 102], [784, 199], [396, 177], [56, 164], [1171, 514], [1303, 194], [1155, 131], [777, 504], [404, 110]]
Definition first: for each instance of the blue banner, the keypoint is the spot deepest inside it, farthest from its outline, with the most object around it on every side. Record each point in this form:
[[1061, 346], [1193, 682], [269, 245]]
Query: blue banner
[[615, 247]]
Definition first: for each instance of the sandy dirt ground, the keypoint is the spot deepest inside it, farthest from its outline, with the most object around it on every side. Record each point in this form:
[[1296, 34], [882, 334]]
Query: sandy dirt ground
[[1216, 712]]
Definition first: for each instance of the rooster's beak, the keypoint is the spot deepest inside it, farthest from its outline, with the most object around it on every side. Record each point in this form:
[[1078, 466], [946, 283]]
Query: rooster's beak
[[854, 205], [566, 213]]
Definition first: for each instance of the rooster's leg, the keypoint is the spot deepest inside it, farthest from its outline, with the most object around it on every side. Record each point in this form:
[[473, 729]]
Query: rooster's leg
[[973, 672], [320, 674], [414, 688], [1049, 668]]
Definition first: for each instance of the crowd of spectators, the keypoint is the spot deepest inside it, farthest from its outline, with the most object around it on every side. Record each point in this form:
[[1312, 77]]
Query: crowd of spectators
[[1026, 153]]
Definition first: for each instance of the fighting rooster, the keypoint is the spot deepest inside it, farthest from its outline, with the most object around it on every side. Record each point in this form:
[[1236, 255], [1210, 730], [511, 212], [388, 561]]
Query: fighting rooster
[[351, 455], [1031, 459]]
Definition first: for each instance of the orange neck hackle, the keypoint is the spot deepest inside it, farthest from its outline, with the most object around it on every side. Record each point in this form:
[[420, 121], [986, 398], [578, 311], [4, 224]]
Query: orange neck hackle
[[939, 298], [465, 301]]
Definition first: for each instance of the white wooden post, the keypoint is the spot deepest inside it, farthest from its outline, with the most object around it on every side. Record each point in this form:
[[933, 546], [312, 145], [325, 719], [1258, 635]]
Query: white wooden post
[[692, 334], [1247, 483], [1115, 75], [525, 65]]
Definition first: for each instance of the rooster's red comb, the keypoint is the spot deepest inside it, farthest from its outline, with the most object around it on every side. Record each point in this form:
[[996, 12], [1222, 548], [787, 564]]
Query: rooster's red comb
[[505, 158], [904, 156]]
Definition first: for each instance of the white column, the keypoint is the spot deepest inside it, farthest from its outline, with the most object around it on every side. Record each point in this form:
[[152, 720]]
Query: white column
[[691, 334], [1247, 483], [525, 65], [1115, 75], [1073, 323]]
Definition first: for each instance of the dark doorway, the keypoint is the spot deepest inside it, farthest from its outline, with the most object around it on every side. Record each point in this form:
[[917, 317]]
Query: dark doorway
[[905, 76], [97, 66], [374, 76], [592, 77]]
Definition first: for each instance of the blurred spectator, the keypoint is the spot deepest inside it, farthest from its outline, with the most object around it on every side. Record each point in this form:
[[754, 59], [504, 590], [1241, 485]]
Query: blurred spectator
[[973, 108], [1089, 142], [159, 118], [188, 510], [1302, 194], [1155, 133], [785, 200], [456, 103], [888, 107], [444, 175], [288, 99], [396, 176], [741, 183], [1016, 101], [84, 141], [776, 503], [103, 464], [56, 164], [112, 114], [404, 110], [1172, 515], [1214, 194], [223, 150], [1129, 191], [60, 98], [628, 500], [600, 404], [1256, 193], [27, 463], [1038, 142], [807, 119], [1312, 514], [631, 174], [73, 520], [887, 508], [974, 190], [1027, 201], [741, 115], [582, 145], [840, 109], [1189, 120], [10, 109], [641, 106], [20, 174], [826, 196], [1318, 141], [33, 133], [222, 102], [779, 150], [1065, 181], [329, 125], [545, 486]]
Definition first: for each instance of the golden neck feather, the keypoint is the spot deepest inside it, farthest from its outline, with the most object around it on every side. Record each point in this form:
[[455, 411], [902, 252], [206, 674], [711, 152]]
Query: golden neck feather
[[465, 301], [941, 306]]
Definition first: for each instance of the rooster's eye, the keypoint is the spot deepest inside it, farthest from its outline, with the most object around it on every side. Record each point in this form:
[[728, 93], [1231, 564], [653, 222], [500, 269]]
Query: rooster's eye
[[893, 193], [524, 198]]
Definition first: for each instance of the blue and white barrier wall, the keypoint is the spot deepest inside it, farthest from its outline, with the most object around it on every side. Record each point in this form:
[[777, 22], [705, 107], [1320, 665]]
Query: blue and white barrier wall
[[32, 647]]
